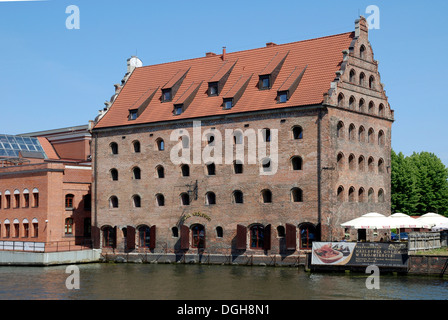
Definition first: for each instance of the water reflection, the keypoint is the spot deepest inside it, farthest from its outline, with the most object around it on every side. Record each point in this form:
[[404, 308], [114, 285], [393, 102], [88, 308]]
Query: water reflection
[[204, 282]]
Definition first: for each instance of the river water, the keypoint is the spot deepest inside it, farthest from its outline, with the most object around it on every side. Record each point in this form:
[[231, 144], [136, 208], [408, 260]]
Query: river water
[[208, 282]]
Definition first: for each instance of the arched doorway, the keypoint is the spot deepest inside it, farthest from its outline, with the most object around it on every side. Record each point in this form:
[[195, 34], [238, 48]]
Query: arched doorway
[[198, 236], [307, 235]]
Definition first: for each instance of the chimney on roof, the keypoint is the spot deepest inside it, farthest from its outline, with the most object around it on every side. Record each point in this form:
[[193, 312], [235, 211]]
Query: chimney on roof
[[270, 44], [361, 28], [210, 54], [223, 57]]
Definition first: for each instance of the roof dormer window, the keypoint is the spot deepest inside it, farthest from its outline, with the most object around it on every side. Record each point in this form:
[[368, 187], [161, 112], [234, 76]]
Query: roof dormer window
[[265, 82], [133, 114], [228, 103], [282, 97], [178, 110], [213, 89], [166, 95]]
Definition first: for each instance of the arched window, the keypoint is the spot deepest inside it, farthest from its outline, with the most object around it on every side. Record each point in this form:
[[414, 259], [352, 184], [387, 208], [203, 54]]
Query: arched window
[[351, 132], [351, 194], [362, 105], [35, 198], [381, 110], [160, 171], [109, 237], [144, 236], [362, 79], [361, 163], [16, 199], [69, 201], [26, 228], [307, 235], [371, 195], [238, 137], [352, 76], [362, 52], [361, 195], [381, 196], [185, 169], [137, 201], [381, 138], [136, 173], [175, 232], [114, 148], [372, 82], [266, 165], [219, 232], [160, 200], [281, 233], [210, 198], [296, 163], [352, 103], [114, 174], [198, 236], [371, 107], [136, 145], [266, 135], [211, 169], [371, 164], [297, 133], [340, 161], [211, 139], [257, 237], [185, 199], [341, 100], [381, 166], [266, 196], [361, 134], [238, 196], [160, 144], [296, 195], [371, 136], [237, 167], [113, 202], [68, 226], [35, 223], [340, 130], [351, 162], [340, 194]]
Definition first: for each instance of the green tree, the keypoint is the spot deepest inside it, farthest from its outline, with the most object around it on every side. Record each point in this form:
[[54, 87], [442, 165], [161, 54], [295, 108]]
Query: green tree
[[404, 195], [431, 183]]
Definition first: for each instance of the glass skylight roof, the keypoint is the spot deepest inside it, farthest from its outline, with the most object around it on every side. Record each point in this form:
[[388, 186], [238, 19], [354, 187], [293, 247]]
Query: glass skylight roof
[[10, 146]]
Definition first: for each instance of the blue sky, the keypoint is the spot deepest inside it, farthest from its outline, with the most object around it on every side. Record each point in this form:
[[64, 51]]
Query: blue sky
[[52, 77]]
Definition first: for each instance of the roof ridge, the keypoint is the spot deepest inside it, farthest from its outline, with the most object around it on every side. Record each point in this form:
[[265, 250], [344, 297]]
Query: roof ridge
[[218, 56]]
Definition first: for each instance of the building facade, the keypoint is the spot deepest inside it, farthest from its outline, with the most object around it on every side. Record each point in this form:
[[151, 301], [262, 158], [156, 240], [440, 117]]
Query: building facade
[[45, 190], [259, 151]]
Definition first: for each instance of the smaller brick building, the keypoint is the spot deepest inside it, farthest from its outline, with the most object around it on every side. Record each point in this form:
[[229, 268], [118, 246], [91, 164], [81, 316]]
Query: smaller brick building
[[45, 182]]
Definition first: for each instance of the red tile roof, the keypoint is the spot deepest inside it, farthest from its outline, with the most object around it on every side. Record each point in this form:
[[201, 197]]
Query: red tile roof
[[321, 57]]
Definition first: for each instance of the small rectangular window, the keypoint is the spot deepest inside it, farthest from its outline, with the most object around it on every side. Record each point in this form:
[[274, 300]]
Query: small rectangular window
[[177, 110], [265, 82], [133, 114], [228, 103], [166, 95], [213, 89], [282, 97]]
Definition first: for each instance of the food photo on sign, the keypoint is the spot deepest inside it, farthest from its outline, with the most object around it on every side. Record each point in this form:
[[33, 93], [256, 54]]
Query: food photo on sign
[[332, 253]]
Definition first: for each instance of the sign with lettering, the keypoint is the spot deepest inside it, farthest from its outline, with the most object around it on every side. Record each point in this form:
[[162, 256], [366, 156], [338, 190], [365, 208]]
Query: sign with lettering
[[360, 254]]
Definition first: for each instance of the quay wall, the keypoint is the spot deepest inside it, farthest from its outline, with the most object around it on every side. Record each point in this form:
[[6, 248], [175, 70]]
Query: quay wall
[[17, 258]]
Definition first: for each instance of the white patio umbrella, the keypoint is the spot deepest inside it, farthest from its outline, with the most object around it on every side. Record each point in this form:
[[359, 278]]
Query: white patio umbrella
[[371, 220], [440, 227], [431, 219], [403, 221]]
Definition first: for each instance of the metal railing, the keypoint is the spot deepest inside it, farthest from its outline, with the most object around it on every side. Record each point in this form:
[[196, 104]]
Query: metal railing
[[51, 246]]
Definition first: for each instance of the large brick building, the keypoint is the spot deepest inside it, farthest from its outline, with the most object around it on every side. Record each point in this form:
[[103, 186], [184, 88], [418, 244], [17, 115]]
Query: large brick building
[[45, 181], [319, 103]]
